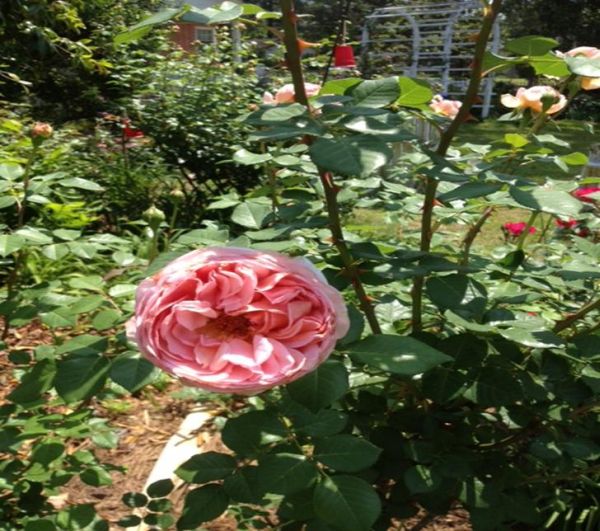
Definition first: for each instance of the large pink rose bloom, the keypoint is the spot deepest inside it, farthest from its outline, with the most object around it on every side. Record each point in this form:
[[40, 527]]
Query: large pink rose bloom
[[587, 83], [286, 94], [531, 98], [237, 320]]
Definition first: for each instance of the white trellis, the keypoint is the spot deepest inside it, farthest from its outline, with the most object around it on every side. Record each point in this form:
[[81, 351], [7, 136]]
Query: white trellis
[[433, 40]]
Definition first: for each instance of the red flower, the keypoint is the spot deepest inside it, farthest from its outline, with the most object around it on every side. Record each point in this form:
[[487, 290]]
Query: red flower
[[567, 225], [582, 193], [131, 132], [516, 229]]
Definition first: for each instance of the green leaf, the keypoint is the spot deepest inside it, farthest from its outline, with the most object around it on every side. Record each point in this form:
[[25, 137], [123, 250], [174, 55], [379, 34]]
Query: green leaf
[[96, 477], [575, 159], [251, 214], [34, 236], [34, 383], [443, 385], [122, 290], [322, 387], [497, 387], [414, 92], [397, 354], [551, 201], [81, 376], [47, 451], [549, 65], [346, 453], [231, 12], [203, 505], [321, 424], [106, 319], [134, 499], [55, 251], [285, 473], [142, 28], [347, 503], [84, 345], [340, 86], [80, 518], [9, 243], [420, 479], [242, 485], [6, 201], [83, 184], [448, 291], [11, 171], [160, 488], [133, 372], [515, 140], [375, 93], [469, 191], [359, 155], [531, 45], [249, 433], [243, 156], [205, 467], [584, 66]]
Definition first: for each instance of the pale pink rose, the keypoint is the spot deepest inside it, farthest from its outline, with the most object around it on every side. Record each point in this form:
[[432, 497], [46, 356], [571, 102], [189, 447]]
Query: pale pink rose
[[445, 107], [42, 130], [587, 83], [237, 320], [286, 94], [531, 98]]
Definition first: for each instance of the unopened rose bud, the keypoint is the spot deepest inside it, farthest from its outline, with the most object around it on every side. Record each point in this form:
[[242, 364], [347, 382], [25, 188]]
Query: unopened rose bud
[[177, 195], [154, 216], [41, 130]]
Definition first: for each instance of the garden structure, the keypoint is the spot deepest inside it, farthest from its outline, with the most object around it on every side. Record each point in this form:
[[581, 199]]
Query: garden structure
[[433, 40]]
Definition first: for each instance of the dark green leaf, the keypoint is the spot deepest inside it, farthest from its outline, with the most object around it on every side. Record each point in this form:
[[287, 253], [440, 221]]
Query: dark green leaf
[[346, 453], [79, 377], [133, 372], [322, 387], [160, 488], [205, 467], [203, 505], [285, 473], [34, 383], [397, 354], [248, 433], [531, 45], [347, 503]]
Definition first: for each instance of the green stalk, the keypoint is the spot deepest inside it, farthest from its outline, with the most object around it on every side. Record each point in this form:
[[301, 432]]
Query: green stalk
[[490, 13], [295, 67]]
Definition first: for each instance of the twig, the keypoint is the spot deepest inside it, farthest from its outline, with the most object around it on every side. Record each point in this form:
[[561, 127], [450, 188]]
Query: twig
[[331, 191], [472, 234], [490, 13], [571, 319]]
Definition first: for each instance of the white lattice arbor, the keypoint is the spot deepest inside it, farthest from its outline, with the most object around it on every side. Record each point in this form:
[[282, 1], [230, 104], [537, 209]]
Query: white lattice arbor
[[433, 40]]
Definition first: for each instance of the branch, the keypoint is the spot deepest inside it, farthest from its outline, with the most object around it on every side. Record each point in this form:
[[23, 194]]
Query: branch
[[490, 13], [473, 232], [566, 323], [295, 66]]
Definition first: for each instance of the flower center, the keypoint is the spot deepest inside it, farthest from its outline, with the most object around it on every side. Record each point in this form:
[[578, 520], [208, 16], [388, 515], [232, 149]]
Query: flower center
[[227, 326]]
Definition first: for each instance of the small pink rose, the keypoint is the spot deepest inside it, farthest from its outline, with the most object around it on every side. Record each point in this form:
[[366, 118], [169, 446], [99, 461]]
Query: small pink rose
[[41, 130], [531, 98], [448, 108], [286, 94], [237, 320]]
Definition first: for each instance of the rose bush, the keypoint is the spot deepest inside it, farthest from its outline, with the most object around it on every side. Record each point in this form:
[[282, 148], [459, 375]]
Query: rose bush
[[238, 320]]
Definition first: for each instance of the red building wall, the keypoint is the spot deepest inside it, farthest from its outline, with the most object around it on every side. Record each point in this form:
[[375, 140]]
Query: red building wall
[[185, 36]]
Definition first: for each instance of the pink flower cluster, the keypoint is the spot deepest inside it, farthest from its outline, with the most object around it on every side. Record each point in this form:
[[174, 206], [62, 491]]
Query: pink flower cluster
[[514, 230], [237, 320], [286, 94]]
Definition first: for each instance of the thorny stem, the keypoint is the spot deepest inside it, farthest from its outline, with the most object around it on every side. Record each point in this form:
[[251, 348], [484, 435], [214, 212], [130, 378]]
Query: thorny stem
[[295, 66], [571, 319], [525, 232], [490, 13], [472, 234]]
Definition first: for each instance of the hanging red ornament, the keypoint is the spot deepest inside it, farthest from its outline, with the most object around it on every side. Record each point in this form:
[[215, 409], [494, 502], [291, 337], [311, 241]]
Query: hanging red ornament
[[344, 57]]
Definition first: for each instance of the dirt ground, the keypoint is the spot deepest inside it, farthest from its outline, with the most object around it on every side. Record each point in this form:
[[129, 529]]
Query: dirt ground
[[144, 425]]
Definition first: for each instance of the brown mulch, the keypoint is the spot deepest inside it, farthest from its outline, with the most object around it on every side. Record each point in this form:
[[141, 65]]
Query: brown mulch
[[144, 427]]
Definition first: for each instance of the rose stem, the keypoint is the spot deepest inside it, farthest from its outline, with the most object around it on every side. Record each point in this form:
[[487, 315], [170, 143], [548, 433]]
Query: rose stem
[[295, 67], [490, 13]]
